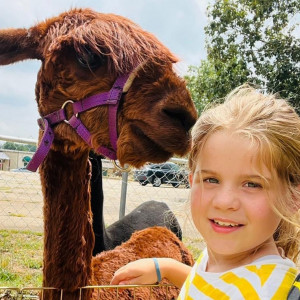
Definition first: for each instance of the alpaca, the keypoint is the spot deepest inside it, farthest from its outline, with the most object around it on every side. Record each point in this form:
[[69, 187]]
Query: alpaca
[[104, 84], [148, 214], [150, 242]]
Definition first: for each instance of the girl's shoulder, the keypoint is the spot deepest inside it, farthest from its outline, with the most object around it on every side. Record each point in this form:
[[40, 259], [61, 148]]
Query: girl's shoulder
[[269, 277]]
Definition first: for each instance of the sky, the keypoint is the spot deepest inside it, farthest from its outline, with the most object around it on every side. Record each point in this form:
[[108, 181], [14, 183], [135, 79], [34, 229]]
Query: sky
[[178, 24]]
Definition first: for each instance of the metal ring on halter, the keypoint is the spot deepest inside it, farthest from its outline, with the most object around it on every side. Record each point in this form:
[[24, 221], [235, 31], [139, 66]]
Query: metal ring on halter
[[63, 107], [127, 169]]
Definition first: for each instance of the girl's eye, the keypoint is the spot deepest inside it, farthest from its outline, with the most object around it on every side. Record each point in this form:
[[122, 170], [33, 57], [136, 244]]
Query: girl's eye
[[211, 180], [253, 185]]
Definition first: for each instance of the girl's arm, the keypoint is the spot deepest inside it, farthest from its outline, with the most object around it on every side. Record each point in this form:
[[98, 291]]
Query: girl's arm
[[143, 271]]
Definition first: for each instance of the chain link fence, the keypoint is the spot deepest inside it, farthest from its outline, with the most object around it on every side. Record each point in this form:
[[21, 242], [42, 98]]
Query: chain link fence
[[21, 202]]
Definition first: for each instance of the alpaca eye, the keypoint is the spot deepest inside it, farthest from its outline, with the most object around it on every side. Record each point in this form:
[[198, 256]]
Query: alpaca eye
[[90, 60]]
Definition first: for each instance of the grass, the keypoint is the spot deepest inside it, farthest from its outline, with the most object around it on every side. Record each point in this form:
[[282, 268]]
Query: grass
[[194, 245], [5, 189], [21, 257], [17, 215]]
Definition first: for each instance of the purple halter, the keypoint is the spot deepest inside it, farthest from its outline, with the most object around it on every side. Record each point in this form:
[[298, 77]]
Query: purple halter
[[46, 123]]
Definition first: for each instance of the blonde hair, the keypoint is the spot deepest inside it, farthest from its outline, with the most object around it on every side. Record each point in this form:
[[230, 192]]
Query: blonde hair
[[275, 126]]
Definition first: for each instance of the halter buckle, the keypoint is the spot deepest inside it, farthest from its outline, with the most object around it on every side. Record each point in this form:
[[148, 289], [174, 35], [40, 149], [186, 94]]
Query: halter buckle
[[63, 107]]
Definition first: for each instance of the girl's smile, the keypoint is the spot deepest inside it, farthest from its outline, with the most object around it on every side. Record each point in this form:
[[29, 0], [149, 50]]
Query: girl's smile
[[231, 197], [224, 226]]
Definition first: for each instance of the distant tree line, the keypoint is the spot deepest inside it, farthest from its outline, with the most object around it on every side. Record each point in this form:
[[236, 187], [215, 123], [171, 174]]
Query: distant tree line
[[254, 41], [19, 147]]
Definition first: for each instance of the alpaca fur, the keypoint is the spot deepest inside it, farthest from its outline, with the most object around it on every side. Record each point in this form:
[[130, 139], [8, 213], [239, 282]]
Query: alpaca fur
[[150, 242], [148, 214], [82, 52]]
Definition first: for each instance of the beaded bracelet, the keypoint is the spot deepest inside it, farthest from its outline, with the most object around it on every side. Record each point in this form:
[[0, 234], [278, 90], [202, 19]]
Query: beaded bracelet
[[157, 269]]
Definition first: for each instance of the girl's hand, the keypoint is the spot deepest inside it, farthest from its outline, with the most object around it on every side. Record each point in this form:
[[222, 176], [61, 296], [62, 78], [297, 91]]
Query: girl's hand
[[141, 271]]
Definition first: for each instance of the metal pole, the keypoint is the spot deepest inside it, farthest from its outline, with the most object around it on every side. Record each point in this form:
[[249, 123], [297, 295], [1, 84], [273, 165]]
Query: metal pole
[[123, 192]]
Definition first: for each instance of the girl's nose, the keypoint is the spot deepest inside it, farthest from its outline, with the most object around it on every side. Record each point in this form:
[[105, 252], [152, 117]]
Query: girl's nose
[[226, 199]]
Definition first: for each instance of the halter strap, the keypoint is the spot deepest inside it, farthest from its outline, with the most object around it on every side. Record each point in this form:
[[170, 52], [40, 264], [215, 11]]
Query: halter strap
[[46, 123]]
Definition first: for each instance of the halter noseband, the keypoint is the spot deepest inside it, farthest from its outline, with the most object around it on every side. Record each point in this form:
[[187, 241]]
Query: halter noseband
[[46, 123]]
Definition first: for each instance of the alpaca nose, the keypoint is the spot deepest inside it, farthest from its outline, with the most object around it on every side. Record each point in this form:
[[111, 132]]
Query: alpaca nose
[[182, 116]]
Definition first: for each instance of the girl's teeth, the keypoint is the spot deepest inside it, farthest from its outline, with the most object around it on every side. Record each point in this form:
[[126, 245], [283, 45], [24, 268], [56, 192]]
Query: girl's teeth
[[225, 224]]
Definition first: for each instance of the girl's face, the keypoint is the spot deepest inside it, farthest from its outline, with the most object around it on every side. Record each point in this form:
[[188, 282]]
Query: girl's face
[[230, 201]]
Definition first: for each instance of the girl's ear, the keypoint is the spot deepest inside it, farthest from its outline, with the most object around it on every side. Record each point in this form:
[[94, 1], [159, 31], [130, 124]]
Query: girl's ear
[[191, 179], [296, 198]]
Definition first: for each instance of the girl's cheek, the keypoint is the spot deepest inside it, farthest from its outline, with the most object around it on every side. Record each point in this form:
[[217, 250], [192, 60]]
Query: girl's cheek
[[195, 197]]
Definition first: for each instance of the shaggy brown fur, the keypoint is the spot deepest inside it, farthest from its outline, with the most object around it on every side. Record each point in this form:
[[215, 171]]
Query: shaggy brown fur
[[154, 119], [150, 242]]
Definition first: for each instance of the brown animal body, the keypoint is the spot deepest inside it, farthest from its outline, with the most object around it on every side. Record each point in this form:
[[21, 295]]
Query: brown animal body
[[150, 242], [82, 53]]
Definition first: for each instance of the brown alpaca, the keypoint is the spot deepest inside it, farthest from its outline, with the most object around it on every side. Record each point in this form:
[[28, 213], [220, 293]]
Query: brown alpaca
[[150, 242], [84, 53]]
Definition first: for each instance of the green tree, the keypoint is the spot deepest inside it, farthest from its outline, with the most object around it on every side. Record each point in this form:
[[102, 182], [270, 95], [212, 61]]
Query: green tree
[[254, 41], [19, 147], [211, 81], [9, 146]]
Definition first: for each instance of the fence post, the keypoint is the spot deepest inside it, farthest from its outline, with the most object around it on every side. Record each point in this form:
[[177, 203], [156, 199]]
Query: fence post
[[123, 192]]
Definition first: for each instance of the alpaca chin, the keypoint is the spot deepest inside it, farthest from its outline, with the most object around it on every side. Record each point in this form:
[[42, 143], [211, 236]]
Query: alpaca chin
[[127, 154]]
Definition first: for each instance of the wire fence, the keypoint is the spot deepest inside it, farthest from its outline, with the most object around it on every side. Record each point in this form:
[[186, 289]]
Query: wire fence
[[21, 206], [21, 200], [112, 292]]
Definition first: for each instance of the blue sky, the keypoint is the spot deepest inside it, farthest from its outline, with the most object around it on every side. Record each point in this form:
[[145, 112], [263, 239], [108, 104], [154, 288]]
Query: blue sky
[[179, 24]]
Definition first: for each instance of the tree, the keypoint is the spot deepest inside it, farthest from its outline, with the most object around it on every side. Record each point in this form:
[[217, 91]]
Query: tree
[[19, 147], [9, 145], [211, 81], [254, 41]]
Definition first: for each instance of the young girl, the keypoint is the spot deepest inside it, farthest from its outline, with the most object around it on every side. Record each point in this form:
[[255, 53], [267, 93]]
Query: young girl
[[245, 200]]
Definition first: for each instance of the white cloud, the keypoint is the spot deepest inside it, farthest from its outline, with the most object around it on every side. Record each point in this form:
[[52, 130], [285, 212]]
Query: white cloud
[[18, 109], [17, 82], [202, 5]]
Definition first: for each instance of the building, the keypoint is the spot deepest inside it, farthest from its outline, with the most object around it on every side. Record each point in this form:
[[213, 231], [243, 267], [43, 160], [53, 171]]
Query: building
[[14, 159]]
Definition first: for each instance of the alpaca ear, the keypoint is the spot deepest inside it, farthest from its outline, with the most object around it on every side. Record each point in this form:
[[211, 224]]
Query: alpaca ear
[[17, 45]]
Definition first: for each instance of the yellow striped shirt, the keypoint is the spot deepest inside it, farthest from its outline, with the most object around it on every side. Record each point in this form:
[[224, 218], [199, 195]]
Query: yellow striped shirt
[[268, 278]]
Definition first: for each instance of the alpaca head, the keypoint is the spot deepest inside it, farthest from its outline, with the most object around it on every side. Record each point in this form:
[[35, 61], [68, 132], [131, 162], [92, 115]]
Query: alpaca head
[[82, 53]]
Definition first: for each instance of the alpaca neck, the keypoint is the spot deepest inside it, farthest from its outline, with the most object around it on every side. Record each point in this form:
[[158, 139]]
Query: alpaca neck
[[97, 202], [69, 239]]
